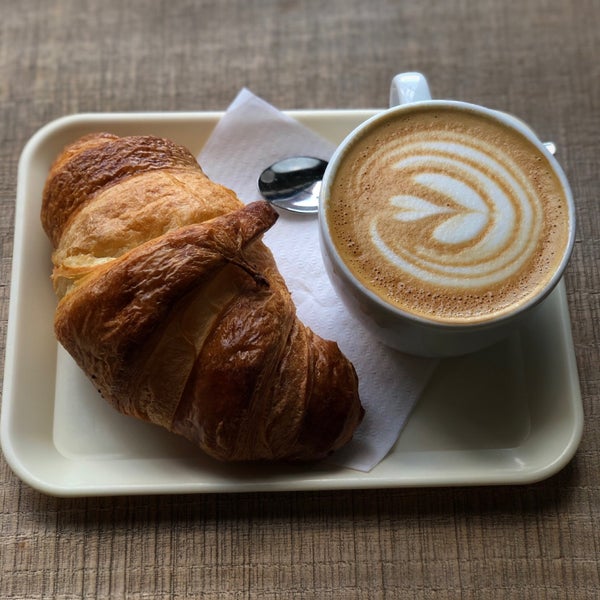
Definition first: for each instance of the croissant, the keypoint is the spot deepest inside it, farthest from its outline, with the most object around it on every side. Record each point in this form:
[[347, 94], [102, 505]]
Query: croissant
[[172, 305]]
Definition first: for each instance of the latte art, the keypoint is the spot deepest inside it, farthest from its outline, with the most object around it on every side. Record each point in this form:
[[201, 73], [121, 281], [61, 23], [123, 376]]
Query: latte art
[[488, 218], [452, 216]]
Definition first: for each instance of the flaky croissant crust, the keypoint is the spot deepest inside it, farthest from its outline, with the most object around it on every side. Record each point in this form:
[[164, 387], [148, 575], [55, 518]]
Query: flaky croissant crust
[[172, 305]]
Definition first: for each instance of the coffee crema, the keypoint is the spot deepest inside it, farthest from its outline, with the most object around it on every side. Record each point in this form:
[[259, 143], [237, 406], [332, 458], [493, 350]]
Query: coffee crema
[[448, 214]]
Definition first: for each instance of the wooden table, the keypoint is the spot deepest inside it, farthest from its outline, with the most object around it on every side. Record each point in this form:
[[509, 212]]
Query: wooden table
[[536, 59]]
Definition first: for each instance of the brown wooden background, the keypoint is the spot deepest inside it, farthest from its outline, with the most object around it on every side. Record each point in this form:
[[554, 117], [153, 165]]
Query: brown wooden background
[[539, 59]]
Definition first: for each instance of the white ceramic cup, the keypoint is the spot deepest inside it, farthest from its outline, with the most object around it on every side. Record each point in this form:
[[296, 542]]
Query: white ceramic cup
[[406, 331]]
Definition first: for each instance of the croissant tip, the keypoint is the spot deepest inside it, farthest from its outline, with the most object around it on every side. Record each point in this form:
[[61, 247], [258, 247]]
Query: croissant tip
[[264, 208]]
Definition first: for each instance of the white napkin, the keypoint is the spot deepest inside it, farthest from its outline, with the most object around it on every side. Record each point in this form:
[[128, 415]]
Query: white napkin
[[251, 136]]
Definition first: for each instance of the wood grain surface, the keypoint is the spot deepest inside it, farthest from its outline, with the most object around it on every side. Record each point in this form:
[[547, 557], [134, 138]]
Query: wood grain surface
[[538, 59]]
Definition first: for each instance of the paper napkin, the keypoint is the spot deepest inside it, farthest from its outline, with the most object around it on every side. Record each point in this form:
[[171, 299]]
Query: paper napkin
[[251, 136]]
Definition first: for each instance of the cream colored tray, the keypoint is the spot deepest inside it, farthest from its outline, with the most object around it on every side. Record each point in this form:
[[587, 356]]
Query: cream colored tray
[[508, 415]]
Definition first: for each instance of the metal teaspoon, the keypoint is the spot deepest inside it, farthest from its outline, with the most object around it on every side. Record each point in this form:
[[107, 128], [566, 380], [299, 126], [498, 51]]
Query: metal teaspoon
[[293, 183]]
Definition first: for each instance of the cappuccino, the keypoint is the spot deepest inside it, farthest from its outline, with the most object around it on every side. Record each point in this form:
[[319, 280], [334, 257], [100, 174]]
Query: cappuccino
[[448, 214]]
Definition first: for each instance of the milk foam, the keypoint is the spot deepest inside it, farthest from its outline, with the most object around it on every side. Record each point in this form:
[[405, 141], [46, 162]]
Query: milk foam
[[435, 209]]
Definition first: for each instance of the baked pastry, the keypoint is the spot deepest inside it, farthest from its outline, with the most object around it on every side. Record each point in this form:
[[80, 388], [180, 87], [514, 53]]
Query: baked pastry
[[172, 305]]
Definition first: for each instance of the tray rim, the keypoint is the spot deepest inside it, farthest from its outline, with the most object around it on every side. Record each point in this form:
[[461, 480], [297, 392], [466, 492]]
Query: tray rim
[[318, 478]]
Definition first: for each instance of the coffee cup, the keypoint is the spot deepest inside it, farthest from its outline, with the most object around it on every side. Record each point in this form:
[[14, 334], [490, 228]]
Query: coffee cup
[[443, 224]]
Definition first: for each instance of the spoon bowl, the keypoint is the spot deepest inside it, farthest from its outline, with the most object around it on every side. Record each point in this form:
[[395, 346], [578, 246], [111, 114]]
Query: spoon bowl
[[293, 183]]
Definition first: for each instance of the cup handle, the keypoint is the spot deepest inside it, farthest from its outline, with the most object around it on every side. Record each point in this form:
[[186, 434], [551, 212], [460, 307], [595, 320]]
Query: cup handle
[[409, 87]]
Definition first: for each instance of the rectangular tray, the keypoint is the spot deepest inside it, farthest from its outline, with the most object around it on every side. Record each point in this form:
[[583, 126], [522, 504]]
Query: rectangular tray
[[510, 414]]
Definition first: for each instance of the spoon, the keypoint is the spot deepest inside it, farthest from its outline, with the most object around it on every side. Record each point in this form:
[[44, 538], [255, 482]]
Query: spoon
[[294, 183]]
